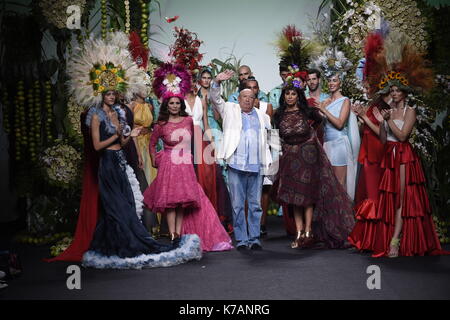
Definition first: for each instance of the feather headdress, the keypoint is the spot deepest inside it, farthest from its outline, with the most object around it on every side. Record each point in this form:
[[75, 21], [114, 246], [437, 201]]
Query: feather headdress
[[138, 51], [332, 62], [374, 66], [294, 49], [103, 65], [171, 81], [401, 65]]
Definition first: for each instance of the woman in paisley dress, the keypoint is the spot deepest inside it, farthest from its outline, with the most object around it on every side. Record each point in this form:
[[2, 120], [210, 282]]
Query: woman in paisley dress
[[305, 182]]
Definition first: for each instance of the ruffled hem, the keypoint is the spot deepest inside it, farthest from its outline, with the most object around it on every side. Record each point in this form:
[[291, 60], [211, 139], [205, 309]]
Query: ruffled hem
[[136, 189], [418, 237], [367, 210], [190, 249], [221, 246]]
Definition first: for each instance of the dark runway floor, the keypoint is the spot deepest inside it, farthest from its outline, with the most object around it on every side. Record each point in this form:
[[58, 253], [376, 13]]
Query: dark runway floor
[[277, 272]]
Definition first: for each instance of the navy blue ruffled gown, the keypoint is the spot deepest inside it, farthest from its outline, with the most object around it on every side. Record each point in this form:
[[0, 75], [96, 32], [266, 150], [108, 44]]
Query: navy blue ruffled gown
[[120, 239]]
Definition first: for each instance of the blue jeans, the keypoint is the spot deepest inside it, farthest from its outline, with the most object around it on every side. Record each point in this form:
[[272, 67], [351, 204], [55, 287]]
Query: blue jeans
[[245, 186]]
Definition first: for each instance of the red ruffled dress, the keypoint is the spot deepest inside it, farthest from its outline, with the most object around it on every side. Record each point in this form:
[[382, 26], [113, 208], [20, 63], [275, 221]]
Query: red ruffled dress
[[366, 196], [418, 235]]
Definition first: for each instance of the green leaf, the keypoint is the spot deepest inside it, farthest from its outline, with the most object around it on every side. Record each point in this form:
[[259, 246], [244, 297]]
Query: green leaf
[[438, 3]]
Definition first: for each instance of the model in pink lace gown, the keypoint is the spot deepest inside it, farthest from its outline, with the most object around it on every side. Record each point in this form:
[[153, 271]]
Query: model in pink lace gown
[[176, 186]]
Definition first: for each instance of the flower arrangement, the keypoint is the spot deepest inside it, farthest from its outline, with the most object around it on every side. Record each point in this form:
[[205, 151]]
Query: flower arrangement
[[421, 137], [62, 165], [362, 17], [185, 50], [406, 17], [74, 111], [352, 27], [55, 11], [444, 82], [442, 229], [61, 246]]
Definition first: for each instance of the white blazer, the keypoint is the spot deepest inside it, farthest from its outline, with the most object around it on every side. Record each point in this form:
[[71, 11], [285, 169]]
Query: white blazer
[[232, 127]]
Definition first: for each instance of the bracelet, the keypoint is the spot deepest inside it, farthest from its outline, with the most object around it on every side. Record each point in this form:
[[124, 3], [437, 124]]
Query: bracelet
[[126, 131]]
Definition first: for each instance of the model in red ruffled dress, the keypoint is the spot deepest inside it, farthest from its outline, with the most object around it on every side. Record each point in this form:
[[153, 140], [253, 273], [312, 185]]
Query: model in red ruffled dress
[[401, 223], [370, 156]]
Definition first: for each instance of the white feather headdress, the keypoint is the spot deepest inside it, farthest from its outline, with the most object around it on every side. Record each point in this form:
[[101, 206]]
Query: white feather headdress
[[103, 65]]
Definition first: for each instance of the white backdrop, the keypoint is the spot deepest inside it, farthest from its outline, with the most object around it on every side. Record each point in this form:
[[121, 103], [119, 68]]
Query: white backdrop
[[244, 27]]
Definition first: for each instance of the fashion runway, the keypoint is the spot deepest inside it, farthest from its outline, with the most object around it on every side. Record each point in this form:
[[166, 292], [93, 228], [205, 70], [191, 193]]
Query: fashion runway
[[276, 272]]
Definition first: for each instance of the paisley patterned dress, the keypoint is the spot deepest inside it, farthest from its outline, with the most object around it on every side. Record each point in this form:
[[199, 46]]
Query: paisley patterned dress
[[306, 178]]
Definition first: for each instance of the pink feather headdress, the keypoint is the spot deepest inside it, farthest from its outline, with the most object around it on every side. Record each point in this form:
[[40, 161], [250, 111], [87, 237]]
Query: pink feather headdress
[[171, 81]]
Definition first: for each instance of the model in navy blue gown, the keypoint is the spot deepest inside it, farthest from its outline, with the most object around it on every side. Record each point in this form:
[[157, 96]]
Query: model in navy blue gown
[[120, 239]]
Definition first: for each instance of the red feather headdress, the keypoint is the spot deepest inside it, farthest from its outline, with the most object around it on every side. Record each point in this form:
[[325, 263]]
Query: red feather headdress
[[138, 51]]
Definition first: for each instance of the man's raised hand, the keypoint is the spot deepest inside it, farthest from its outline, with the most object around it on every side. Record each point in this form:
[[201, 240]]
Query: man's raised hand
[[224, 76]]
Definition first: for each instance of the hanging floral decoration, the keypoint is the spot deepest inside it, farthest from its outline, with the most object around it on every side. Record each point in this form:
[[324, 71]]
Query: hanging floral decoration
[[421, 137], [55, 11], [74, 111], [62, 164], [353, 26], [406, 17], [362, 17], [127, 16]]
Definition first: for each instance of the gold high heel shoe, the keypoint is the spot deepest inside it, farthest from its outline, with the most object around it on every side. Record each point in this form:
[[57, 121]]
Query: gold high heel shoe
[[297, 243]]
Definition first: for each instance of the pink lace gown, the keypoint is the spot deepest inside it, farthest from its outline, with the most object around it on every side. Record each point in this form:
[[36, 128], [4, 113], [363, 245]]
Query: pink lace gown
[[176, 186]]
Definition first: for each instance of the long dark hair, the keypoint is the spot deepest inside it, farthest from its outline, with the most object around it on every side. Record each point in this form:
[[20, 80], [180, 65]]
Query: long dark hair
[[309, 112], [164, 111]]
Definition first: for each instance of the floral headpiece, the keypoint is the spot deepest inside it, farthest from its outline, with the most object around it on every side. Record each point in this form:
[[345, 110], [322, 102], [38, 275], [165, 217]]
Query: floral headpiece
[[394, 78], [294, 76], [400, 65], [107, 77], [185, 50], [101, 66], [171, 81], [332, 62]]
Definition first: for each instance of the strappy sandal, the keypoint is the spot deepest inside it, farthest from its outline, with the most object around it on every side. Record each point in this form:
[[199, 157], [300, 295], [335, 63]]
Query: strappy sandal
[[394, 248]]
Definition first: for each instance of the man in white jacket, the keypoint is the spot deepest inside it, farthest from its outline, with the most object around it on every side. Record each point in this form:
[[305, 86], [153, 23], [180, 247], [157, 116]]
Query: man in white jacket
[[244, 150]]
